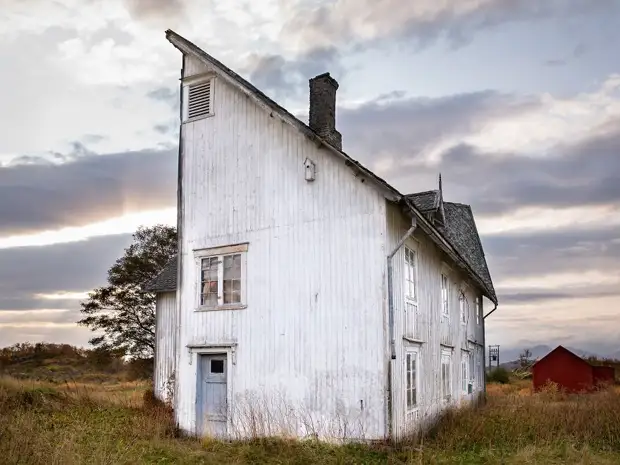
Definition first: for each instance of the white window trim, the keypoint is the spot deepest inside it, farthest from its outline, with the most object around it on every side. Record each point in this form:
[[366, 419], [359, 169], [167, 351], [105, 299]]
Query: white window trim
[[465, 379], [413, 247], [193, 80], [220, 252], [445, 271], [416, 352], [478, 309], [446, 354], [463, 305]]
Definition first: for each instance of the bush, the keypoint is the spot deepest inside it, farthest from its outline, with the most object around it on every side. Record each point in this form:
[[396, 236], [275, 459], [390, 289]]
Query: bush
[[498, 375]]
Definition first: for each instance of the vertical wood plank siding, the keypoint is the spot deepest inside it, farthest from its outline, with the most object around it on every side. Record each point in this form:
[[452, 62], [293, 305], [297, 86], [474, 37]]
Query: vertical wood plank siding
[[309, 356], [165, 316], [434, 334]]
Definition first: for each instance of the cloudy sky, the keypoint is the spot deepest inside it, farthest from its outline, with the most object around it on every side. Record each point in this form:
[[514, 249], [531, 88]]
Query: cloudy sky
[[516, 102]]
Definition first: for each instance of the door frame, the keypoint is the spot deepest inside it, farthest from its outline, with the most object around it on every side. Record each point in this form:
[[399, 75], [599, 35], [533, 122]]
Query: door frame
[[228, 349]]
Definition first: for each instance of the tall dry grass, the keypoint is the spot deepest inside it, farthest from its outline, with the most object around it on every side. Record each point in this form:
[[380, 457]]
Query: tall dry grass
[[89, 424]]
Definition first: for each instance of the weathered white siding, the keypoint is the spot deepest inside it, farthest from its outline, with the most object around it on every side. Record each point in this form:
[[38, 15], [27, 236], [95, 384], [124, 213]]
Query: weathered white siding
[[165, 324], [435, 333], [309, 353]]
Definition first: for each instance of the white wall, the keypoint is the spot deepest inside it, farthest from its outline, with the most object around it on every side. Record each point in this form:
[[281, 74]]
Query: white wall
[[312, 336], [433, 331], [165, 324]]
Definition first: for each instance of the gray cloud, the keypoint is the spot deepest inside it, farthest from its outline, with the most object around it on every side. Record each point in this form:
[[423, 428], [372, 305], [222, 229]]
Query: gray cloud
[[402, 130], [516, 296], [166, 95], [155, 9], [422, 22], [36, 194], [284, 77], [71, 267], [403, 127], [553, 251], [579, 50]]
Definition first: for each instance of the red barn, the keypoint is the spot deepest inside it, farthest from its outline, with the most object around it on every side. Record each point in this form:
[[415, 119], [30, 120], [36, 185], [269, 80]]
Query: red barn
[[604, 375], [569, 371]]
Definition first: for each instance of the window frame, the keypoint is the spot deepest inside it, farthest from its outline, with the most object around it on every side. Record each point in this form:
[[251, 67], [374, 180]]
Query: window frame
[[414, 352], [478, 309], [465, 375], [463, 305], [445, 301], [406, 281], [220, 253], [193, 81], [446, 355]]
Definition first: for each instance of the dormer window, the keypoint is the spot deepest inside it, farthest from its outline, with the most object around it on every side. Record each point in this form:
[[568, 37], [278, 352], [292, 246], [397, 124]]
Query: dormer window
[[197, 98]]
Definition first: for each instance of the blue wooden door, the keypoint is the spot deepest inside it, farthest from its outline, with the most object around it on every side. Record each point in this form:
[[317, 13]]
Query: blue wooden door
[[211, 395]]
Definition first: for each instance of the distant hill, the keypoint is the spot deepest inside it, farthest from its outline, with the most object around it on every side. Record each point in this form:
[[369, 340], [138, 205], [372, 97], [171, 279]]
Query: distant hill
[[509, 358], [62, 363]]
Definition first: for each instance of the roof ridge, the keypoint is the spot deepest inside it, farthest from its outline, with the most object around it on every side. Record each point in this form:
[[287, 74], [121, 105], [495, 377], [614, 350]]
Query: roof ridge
[[423, 192], [459, 204]]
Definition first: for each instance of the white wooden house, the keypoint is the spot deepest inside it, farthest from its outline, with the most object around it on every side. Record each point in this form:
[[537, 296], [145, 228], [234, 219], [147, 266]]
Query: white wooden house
[[309, 297]]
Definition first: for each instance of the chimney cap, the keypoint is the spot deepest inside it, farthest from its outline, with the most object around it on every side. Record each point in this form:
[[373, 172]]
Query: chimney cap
[[325, 77]]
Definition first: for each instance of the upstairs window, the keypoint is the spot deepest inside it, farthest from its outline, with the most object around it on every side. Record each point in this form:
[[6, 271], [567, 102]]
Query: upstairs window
[[478, 311], [463, 306], [411, 291], [197, 99], [445, 310], [222, 278]]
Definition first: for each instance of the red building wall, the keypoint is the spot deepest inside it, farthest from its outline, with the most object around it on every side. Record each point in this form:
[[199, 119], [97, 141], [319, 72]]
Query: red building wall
[[563, 367], [604, 375]]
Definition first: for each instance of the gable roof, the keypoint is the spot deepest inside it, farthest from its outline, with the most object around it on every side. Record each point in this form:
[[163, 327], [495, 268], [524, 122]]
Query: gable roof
[[460, 229], [425, 201], [166, 280], [232, 78], [561, 348]]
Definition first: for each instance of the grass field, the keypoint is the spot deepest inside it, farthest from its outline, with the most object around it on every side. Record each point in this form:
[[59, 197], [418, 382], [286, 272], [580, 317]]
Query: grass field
[[109, 423]]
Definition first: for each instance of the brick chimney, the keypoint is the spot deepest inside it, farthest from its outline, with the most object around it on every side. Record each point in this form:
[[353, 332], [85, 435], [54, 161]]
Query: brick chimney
[[323, 108]]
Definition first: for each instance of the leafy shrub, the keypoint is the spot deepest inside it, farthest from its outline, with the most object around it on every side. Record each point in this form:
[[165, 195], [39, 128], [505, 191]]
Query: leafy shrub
[[498, 375]]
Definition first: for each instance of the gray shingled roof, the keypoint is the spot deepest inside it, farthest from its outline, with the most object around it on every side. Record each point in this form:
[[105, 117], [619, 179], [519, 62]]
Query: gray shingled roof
[[166, 280], [425, 201], [460, 230]]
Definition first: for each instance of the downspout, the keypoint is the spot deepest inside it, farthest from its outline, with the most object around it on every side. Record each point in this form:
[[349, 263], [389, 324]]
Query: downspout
[[179, 321], [390, 270], [484, 351], [494, 308]]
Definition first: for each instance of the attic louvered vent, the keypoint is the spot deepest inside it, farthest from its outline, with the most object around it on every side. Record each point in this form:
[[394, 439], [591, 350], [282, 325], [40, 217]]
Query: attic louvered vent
[[199, 100]]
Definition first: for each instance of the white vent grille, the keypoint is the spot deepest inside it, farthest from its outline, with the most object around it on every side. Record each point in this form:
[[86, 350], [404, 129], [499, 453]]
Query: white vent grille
[[199, 100]]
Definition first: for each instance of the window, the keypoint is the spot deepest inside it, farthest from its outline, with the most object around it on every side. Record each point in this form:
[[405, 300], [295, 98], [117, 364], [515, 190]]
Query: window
[[446, 375], [222, 277], [217, 366], [478, 311], [445, 310], [464, 372], [197, 98], [411, 378], [479, 372], [463, 306], [411, 291]]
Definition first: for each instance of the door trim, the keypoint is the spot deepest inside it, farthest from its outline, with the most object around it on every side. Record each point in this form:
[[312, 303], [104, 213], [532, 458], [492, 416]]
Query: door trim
[[215, 349]]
